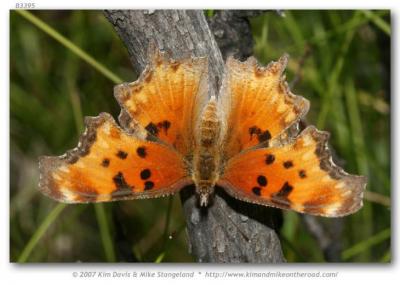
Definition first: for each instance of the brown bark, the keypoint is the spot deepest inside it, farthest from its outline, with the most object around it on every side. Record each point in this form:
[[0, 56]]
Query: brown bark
[[228, 230]]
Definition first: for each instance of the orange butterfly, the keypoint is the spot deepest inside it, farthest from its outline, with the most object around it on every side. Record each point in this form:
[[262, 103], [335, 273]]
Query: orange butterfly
[[173, 135]]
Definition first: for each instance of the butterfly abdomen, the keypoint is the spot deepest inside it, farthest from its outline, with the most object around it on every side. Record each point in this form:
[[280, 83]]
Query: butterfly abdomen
[[209, 126], [206, 158]]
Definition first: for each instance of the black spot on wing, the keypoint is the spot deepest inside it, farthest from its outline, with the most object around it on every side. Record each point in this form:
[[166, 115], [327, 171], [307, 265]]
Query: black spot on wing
[[280, 198], [164, 125], [262, 180], [105, 162], [269, 159], [141, 151], [264, 136], [253, 131], [256, 191], [148, 185], [152, 129], [120, 182], [284, 191], [122, 154], [145, 174], [302, 173], [288, 164]]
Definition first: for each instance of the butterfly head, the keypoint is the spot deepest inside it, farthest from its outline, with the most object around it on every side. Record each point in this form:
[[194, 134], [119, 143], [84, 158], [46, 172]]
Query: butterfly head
[[204, 197], [204, 190]]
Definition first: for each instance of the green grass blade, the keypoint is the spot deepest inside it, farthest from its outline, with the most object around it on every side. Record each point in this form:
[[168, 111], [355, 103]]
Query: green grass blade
[[169, 239], [69, 45], [168, 218], [378, 21], [41, 230], [165, 236], [100, 214], [160, 258], [77, 110], [210, 13], [387, 257], [380, 174], [358, 138], [105, 232], [356, 127], [349, 25], [294, 29], [290, 245], [366, 244], [337, 69], [377, 198]]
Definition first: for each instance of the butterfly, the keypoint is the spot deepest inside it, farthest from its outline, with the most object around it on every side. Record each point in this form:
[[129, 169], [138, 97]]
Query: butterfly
[[173, 134]]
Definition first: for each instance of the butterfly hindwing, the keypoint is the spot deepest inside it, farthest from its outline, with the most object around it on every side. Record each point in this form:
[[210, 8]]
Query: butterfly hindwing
[[299, 176], [166, 100], [110, 164], [257, 104]]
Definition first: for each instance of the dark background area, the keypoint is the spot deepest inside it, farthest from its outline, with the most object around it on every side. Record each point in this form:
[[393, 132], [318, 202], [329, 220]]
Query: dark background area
[[340, 61]]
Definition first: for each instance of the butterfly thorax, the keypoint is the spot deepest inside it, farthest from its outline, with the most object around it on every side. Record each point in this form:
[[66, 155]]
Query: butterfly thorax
[[206, 156]]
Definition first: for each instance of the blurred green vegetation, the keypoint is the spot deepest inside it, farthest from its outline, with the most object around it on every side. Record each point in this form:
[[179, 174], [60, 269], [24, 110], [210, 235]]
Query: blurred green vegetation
[[64, 66]]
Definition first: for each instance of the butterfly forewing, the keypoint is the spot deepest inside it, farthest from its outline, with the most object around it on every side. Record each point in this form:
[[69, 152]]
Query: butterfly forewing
[[257, 104], [166, 100]]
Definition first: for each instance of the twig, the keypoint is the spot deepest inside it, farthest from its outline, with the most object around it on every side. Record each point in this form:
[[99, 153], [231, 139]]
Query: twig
[[211, 239]]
